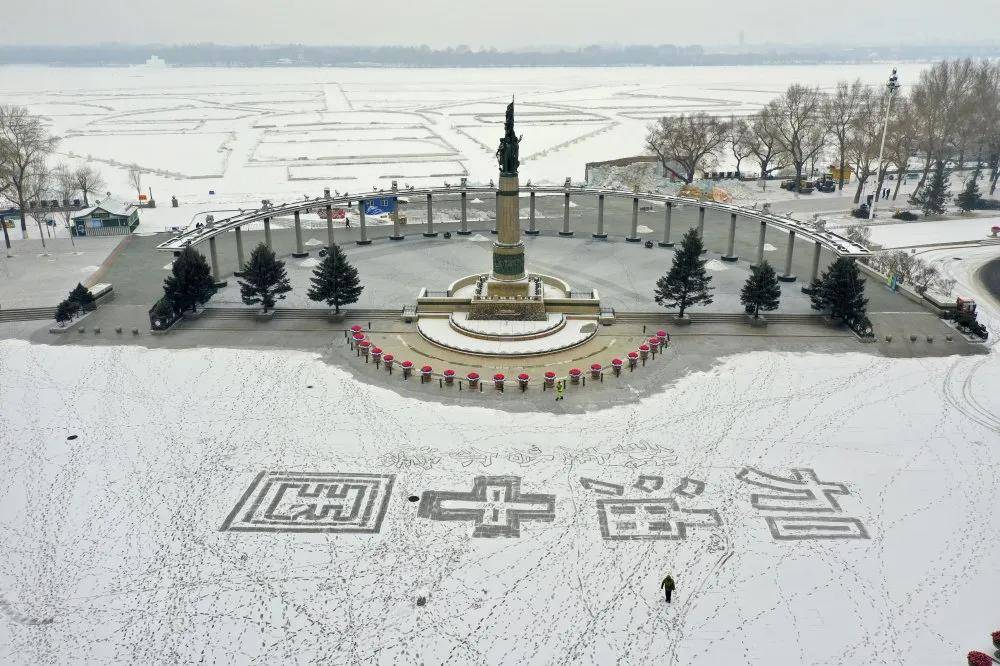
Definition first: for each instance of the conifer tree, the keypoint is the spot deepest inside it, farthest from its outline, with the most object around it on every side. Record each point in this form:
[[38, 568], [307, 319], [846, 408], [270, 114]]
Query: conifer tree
[[840, 291], [82, 297], [761, 290], [932, 197], [264, 279], [335, 281], [66, 310], [687, 283], [969, 198], [190, 281]]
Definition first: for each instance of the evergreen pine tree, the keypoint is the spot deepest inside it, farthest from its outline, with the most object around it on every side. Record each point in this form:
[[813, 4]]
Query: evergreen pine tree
[[968, 199], [264, 278], [335, 281], [761, 290], [82, 297], [190, 281], [934, 194], [840, 291], [66, 310], [687, 283]]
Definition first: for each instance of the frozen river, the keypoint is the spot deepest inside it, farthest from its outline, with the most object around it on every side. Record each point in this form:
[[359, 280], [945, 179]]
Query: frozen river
[[252, 133]]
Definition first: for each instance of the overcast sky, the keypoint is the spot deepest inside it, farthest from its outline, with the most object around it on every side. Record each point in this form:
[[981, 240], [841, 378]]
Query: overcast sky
[[499, 23]]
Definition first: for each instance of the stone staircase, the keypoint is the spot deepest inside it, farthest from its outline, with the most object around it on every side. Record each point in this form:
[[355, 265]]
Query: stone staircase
[[27, 314]]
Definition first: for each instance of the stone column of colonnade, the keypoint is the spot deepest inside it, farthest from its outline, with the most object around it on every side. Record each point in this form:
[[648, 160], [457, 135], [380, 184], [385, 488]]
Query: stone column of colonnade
[[395, 216], [730, 254], [363, 239], [267, 233], [241, 259], [701, 226], [760, 243], [600, 218], [814, 274], [565, 229], [788, 276], [633, 236], [329, 225], [300, 251], [213, 252], [430, 233], [464, 228], [532, 230], [667, 213]]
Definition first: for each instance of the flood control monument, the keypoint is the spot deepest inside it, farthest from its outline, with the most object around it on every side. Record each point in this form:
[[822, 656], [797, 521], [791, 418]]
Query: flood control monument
[[508, 311]]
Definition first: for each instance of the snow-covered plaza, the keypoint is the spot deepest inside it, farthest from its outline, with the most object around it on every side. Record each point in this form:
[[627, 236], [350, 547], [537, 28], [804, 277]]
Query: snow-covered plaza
[[826, 508]]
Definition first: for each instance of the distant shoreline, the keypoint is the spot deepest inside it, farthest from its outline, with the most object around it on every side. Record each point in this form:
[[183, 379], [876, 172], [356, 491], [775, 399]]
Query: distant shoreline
[[415, 57]]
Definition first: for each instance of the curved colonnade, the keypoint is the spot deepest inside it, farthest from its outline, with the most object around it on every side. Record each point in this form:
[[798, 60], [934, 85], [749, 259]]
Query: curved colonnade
[[839, 245]]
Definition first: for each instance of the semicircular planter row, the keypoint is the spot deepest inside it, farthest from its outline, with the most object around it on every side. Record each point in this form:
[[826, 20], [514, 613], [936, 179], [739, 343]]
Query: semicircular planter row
[[365, 347]]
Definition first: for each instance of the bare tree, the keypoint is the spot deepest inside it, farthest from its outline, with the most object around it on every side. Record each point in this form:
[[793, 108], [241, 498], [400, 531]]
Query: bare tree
[[839, 111], [762, 140], [799, 126], [941, 100], [88, 180], [738, 140], [135, 177], [686, 140], [864, 137], [37, 188], [65, 185], [24, 146], [901, 141]]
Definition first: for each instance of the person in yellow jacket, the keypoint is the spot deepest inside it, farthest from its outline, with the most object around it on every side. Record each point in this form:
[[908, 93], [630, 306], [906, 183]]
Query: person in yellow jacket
[[560, 389], [668, 586]]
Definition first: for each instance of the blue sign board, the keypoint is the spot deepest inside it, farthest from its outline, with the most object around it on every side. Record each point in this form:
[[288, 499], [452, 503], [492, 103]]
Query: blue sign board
[[380, 205]]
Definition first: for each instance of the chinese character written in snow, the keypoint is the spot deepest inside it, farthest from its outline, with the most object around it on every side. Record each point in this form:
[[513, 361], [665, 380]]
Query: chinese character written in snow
[[798, 497], [495, 506], [650, 518]]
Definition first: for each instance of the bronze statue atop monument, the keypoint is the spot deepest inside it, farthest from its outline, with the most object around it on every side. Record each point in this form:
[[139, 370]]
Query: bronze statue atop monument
[[507, 153]]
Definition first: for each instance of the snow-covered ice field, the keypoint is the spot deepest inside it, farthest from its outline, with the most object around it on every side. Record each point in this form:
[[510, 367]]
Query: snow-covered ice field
[[114, 551], [279, 133]]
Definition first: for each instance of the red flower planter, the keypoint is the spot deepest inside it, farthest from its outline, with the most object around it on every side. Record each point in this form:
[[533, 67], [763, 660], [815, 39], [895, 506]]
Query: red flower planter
[[574, 375], [498, 380], [425, 374], [356, 329], [473, 378], [388, 358], [550, 379], [364, 346], [356, 338], [616, 366], [522, 380], [377, 355], [980, 659], [449, 376], [643, 352], [407, 368], [595, 370], [633, 359]]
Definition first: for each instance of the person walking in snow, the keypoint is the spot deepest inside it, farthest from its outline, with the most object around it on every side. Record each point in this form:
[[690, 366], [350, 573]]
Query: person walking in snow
[[668, 587], [560, 389]]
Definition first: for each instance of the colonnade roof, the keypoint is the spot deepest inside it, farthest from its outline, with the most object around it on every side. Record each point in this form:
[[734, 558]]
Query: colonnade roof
[[832, 241]]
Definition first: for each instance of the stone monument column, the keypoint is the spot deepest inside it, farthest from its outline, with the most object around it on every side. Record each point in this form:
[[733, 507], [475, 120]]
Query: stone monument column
[[508, 249]]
